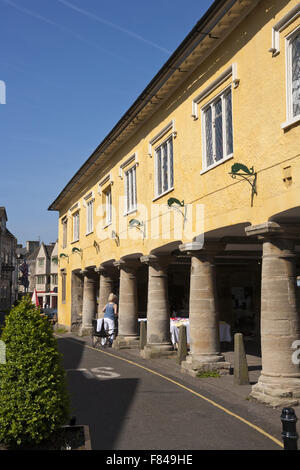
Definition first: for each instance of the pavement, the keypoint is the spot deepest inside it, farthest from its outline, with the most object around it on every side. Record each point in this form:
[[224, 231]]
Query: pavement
[[221, 392]]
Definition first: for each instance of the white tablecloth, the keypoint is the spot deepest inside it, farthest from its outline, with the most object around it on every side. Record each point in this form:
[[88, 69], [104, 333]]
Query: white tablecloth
[[174, 329], [224, 330]]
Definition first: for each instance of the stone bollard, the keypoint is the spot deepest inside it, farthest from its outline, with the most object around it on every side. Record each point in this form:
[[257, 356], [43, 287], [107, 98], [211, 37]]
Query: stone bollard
[[182, 345], [143, 334], [289, 432], [241, 376]]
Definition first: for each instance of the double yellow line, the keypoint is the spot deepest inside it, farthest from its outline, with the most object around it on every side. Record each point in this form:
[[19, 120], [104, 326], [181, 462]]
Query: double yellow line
[[220, 407]]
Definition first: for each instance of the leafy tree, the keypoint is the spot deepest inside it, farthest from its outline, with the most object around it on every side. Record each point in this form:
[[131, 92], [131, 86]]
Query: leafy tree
[[34, 401]]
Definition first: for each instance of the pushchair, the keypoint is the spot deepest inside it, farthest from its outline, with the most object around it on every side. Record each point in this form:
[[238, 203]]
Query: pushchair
[[102, 337]]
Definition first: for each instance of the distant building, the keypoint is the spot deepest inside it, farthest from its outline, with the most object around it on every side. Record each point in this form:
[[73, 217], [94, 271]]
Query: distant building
[[41, 263], [24, 257], [46, 274], [8, 273]]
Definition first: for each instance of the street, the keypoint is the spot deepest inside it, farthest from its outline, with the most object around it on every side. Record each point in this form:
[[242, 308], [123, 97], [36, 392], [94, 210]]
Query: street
[[127, 407]]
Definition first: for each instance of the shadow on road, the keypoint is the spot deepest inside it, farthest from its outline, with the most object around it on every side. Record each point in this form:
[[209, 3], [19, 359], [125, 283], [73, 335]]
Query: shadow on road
[[100, 403]]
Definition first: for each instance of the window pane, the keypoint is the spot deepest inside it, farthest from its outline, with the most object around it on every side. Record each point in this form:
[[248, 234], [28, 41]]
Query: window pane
[[228, 117], [158, 164], [91, 216], [131, 190], [165, 167], [296, 75], [208, 137], [110, 207], [218, 130], [127, 192], [76, 227], [107, 206], [171, 162], [134, 186], [65, 234]]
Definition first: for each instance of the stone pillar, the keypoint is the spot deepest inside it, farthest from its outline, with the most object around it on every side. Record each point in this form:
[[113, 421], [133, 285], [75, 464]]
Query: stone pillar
[[88, 302], [128, 332], [279, 382], [158, 314], [205, 352], [105, 287]]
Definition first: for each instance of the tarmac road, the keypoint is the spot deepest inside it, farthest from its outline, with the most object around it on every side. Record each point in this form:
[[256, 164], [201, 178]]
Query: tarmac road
[[130, 408]]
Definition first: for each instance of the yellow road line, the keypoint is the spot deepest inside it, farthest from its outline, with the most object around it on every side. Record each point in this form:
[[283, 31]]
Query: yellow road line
[[245, 421]]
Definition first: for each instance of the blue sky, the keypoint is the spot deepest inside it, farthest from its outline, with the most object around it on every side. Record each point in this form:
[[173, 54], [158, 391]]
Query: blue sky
[[72, 68]]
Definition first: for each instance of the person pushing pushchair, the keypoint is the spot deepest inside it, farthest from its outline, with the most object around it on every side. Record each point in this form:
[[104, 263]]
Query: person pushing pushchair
[[110, 313]]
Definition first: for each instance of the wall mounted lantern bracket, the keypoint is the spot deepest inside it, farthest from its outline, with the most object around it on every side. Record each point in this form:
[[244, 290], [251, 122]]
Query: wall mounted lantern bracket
[[238, 169], [137, 224], [63, 255], [115, 237], [176, 204], [77, 250]]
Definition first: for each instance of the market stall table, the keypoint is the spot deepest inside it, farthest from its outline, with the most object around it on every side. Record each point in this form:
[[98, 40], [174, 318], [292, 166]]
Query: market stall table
[[224, 329]]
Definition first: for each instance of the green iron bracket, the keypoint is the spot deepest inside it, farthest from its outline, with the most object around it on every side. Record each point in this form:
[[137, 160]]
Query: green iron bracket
[[238, 169], [137, 224], [115, 237], [63, 255], [97, 246], [76, 250], [173, 200], [176, 204]]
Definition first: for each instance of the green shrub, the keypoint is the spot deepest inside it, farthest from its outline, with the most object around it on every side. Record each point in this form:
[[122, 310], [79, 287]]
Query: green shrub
[[34, 401]]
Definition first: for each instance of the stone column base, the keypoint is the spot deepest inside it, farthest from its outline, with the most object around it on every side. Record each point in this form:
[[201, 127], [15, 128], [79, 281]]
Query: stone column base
[[152, 351], [283, 393], [126, 342], [85, 330], [193, 366]]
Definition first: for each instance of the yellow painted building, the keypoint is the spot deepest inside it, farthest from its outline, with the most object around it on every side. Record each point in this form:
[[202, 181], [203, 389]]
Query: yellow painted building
[[204, 163]]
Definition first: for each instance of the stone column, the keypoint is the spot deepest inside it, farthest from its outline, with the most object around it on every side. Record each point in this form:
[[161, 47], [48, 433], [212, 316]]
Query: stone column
[[158, 314], [88, 302], [279, 382], [128, 334], [205, 352], [105, 287]]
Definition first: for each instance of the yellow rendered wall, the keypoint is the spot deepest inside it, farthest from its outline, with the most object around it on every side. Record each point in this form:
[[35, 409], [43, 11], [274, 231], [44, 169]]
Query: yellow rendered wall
[[259, 109]]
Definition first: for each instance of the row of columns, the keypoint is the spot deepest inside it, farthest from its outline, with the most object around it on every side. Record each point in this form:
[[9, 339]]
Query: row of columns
[[280, 321]]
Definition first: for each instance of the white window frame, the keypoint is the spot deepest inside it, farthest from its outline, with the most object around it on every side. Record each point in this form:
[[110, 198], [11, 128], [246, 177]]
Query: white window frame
[[90, 217], [130, 189], [291, 16], [169, 127], [290, 119], [76, 226], [64, 232], [211, 103], [170, 138], [108, 206], [229, 72]]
